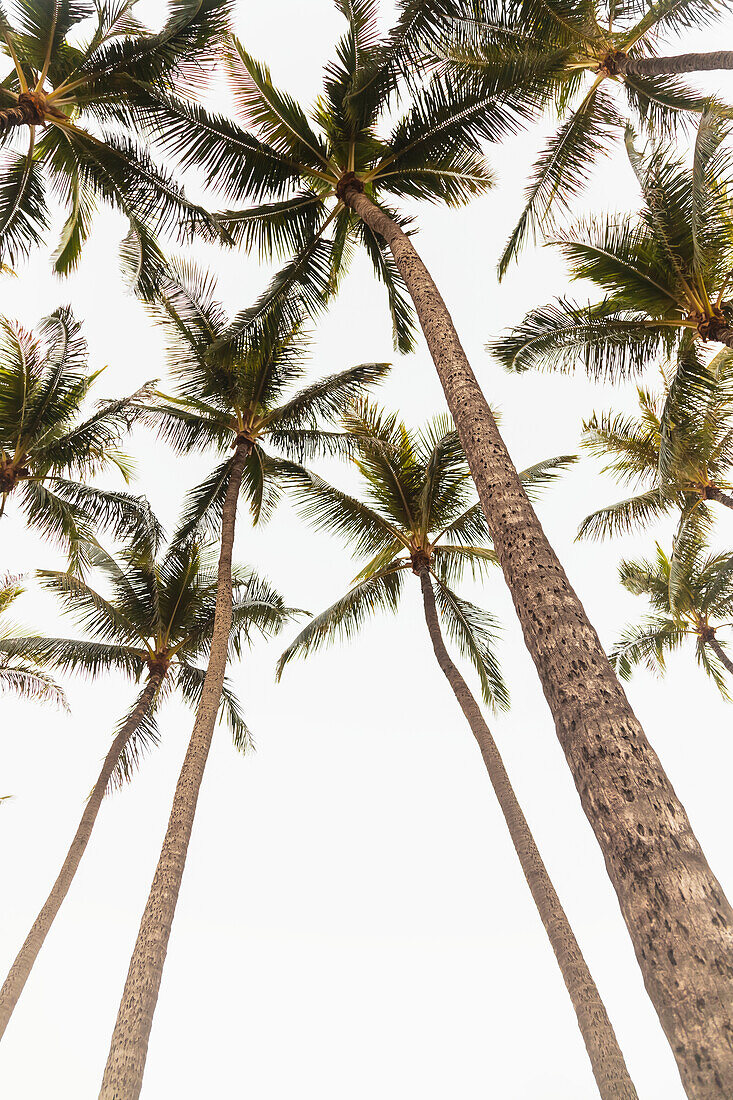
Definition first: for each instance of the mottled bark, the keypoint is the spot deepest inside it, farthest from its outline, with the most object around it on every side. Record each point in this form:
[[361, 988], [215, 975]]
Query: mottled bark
[[680, 63], [724, 660], [607, 1061], [123, 1075], [26, 112], [679, 920], [721, 497], [21, 968]]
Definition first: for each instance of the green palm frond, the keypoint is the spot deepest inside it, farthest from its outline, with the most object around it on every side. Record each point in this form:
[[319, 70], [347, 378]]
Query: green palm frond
[[93, 145], [416, 513], [562, 335], [474, 631], [342, 620], [563, 168], [627, 515]]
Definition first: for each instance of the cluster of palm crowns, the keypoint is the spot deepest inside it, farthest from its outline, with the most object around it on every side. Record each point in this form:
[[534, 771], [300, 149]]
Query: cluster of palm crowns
[[101, 111]]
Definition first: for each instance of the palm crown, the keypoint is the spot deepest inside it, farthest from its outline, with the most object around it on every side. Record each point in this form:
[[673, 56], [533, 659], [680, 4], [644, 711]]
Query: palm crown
[[679, 448], [664, 275], [595, 47], [301, 162], [695, 605], [19, 673], [223, 399], [156, 618], [419, 512], [43, 382], [81, 70]]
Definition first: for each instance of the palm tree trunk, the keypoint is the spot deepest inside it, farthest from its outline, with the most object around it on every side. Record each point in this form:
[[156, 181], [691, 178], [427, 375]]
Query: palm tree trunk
[[123, 1075], [24, 960], [681, 63], [679, 920], [607, 1061], [721, 497], [721, 654], [26, 112]]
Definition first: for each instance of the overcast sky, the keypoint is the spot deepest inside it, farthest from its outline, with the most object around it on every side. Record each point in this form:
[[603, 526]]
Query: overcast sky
[[353, 920]]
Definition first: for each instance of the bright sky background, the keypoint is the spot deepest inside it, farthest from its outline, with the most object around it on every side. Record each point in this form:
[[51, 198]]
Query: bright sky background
[[353, 920]]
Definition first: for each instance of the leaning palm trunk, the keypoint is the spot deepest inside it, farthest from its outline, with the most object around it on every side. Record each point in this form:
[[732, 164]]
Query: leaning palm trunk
[[26, 112], [679, 920], [680, 63], [123, 1075], [607, 1061], [21, 968], [721, 654], [720, 496]]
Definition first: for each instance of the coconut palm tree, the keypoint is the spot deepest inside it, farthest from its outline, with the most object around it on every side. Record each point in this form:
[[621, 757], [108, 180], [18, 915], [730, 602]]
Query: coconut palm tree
[[72, 107], [227, 402], [419, 515], [664, 275], [48, 451], [598, 49], [323, 183], [155, 625], [19, 674], [678, 450], [695, 607]]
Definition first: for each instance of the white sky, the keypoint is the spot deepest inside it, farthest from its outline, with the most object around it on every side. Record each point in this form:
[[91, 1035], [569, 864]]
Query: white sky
[[353, 920]]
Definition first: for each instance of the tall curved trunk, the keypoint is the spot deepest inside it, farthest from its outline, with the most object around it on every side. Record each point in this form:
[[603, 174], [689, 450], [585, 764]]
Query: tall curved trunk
[[24, 960], [678, 917], [123, 1075], [607, 1061], [680, 63]]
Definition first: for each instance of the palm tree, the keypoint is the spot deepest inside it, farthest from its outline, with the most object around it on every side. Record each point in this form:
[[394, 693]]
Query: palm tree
[[48, 452], [663, 276], [226, 401], [155, 626], [79, 94], [322, 184], [679, 449], [19, 674], [419, 515], [695, 607], [594, 48]]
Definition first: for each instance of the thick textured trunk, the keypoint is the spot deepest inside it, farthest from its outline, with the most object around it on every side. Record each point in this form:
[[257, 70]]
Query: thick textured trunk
[[123, 1075], [679, 920], [607, 1061], [721, 654], [721, 497], [681, 63], [21, 968], [26, 112]]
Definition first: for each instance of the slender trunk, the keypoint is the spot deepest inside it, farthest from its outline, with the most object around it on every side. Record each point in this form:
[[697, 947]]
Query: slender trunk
[[681, 63], [123, 1075], [721, 497], [679, 920], [721, 654], [607, 1061], [24, 960]]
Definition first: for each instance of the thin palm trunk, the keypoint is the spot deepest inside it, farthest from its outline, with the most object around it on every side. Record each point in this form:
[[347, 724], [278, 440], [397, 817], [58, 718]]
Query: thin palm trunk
[[606, 1058], [680, 63], [26, 957], [679, 920], [123, 1075], [721, 654]]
